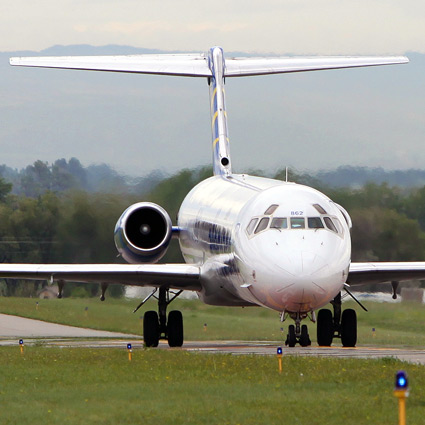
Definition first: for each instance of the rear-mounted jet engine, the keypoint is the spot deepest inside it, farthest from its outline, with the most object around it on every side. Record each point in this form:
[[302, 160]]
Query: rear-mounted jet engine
[[143, 233]]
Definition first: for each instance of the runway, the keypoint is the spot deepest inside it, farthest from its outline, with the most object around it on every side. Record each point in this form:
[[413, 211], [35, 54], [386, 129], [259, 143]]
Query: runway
[[12, 328]]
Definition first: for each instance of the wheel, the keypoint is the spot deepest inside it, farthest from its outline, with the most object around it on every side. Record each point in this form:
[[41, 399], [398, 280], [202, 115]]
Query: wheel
[[151, 329], [175, 329], [291, 339], [349, 328], [325, 328], [304, 338]]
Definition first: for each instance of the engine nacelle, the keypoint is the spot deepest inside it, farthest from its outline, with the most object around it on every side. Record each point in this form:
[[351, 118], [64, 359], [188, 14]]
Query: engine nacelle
[[143, 233]]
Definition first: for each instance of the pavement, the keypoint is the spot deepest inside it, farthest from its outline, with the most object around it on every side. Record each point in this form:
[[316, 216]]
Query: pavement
[[20, 327], [13, 328]]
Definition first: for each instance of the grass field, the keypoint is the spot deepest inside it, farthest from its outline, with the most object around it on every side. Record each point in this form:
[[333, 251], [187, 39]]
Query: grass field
[[83, 386], [395, 324]]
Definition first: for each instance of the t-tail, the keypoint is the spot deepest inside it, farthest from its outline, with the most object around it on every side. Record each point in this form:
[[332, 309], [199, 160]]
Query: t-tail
[[216, 69]]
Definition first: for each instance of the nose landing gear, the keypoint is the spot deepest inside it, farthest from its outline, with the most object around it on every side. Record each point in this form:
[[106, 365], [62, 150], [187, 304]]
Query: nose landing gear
[[298, 333]]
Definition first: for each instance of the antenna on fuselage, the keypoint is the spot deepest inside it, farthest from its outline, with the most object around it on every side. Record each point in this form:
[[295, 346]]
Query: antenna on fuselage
[[286, 174]]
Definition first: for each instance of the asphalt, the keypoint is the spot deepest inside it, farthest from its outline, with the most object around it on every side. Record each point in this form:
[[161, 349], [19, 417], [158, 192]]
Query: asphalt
[[13, 328]]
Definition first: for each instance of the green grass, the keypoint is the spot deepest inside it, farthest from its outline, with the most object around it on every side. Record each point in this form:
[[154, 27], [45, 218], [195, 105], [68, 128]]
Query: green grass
[[396, 324], [84, 386]]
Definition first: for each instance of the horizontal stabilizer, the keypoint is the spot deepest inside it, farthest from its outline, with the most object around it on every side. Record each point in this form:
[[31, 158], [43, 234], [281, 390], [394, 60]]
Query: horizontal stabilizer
[[241, 67], [195, 65]]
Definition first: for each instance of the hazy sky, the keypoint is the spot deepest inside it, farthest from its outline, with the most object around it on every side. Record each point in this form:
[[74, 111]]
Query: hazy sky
[[279, 26], [372, 117]]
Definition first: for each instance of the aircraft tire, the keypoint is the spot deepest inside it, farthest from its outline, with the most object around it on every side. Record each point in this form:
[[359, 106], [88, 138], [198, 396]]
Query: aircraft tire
[[349, 328], [304, 338], [291, 339], [151, 329], [325, 328], [175, 329]]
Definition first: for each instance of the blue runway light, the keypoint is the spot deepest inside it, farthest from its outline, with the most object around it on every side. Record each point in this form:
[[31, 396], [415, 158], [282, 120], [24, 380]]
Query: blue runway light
[[128, 346], [21, 341], [401, 382], [279, 351]]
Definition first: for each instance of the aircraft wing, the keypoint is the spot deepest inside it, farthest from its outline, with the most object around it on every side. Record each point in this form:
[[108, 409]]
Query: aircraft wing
[[175, 276], [364, 273]]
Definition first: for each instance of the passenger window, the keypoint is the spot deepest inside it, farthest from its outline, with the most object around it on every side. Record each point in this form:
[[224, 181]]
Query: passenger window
[[262, 225], [279, 223], [297, 223], [315, 223], [329, 224], [251, 226]]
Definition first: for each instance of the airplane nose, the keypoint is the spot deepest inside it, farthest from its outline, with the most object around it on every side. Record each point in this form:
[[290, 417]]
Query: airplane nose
[[296, 281]]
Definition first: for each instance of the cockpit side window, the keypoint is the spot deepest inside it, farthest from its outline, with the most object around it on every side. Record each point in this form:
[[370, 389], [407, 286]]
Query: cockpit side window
[[315, 223], [251, 226], [262, 225], [297, 223], [329, 224], [279, 223]]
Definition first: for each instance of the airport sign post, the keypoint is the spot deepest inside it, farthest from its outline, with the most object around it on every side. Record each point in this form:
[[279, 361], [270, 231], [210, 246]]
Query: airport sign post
[[21, 345], [401, 391], [279, 358], [130, 351]]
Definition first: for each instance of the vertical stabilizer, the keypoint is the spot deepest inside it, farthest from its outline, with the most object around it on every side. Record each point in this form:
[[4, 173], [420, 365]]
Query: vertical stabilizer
[[220, 136]]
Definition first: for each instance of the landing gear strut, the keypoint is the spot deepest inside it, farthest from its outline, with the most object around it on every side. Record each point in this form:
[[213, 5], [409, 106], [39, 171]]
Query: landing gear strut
[[341, 325], [156, 326], [297, 333]]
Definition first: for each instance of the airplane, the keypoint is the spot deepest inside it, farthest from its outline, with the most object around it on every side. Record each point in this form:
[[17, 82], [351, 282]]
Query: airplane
[[246, 240]]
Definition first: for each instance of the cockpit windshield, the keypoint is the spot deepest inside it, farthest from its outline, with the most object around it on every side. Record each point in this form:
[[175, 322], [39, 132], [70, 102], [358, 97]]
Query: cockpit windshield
[[260, 224]]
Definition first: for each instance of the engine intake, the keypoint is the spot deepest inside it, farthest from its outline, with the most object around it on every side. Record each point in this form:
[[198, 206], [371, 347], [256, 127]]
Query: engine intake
[[143, 233]]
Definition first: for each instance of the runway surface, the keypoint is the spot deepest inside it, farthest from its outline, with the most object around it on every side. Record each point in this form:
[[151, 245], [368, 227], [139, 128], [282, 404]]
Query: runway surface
[[13, 328]]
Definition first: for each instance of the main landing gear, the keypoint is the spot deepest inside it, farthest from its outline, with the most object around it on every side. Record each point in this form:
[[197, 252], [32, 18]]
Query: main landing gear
[[156, 326], [341, 325]]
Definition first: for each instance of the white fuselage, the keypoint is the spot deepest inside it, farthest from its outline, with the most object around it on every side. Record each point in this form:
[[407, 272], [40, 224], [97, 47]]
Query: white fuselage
[[265, 242]]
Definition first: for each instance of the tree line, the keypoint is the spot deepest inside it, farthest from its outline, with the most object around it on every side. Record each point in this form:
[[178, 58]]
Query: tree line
[[55, 216]]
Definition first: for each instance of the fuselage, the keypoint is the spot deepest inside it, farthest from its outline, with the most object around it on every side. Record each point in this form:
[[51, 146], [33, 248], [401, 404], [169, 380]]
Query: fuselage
[[265, 242]]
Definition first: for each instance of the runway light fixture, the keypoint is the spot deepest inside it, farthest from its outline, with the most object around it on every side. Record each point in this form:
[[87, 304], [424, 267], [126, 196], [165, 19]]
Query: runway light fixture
[[130, 351], [401, 391], [401, 382], [21, 345], [279, 353]]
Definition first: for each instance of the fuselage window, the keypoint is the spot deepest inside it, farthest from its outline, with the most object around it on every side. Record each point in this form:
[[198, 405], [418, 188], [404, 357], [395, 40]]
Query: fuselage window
[[329, 224], [251, 226], [320, 209], [271, 209], [279, 223], [262, 225], [315, 223], [297, 223]]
